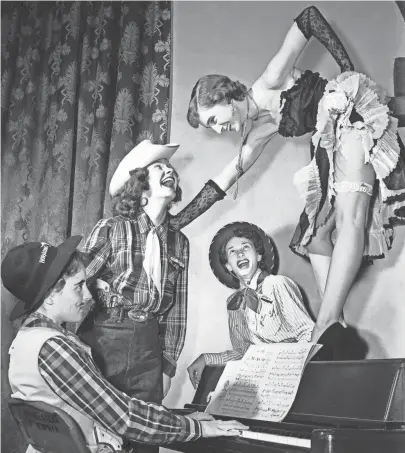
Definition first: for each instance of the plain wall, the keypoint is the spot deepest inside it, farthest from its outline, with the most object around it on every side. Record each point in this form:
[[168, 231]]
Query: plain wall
[[238, 39]]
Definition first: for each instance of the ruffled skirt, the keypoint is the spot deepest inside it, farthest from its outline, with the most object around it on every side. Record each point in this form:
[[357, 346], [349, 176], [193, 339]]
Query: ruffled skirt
[[352, 103]]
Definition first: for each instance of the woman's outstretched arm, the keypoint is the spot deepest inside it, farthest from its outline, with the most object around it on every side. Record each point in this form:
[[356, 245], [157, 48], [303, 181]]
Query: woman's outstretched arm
[[254, 144], [312, 23], [309, 23], [215, 189]]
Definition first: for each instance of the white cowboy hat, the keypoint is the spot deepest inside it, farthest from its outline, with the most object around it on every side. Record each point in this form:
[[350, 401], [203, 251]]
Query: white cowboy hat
[[142, 155]]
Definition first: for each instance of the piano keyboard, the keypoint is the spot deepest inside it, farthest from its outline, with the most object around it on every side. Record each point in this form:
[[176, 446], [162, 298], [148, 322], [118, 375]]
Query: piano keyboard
[[277, 439]]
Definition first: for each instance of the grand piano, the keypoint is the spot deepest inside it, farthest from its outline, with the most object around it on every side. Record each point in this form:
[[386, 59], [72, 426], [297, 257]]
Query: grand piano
[[340, 407]]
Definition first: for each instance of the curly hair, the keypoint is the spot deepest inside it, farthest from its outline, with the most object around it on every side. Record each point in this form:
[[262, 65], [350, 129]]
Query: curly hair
[[246, 233], [211, 90], [128, 201]]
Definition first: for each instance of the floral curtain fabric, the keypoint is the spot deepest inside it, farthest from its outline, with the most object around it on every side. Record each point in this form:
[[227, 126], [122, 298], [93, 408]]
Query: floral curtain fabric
[[82, 83]]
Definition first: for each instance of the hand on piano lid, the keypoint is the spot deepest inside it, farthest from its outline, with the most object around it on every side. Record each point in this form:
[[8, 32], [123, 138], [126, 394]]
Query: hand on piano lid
[[201, 416], [195, 370], [218, 428]]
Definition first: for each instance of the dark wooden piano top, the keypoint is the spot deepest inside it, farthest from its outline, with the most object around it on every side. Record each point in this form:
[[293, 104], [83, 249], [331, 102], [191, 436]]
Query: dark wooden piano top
[[335, 393], [343, 407]]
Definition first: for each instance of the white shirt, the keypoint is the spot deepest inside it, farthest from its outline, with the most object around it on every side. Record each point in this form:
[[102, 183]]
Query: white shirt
[[281, 317]]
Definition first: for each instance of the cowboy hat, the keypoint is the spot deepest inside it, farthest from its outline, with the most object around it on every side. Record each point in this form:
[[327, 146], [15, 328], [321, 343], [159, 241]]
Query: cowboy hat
[[141, 156], [222, 237], [31, 269]]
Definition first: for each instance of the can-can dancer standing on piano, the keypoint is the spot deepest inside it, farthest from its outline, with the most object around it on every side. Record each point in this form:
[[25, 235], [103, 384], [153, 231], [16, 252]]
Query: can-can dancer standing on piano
[[354, 187]]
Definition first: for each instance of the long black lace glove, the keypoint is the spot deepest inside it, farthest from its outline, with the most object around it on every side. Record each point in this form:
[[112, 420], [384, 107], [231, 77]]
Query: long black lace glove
[[312, 23], [210, 194]]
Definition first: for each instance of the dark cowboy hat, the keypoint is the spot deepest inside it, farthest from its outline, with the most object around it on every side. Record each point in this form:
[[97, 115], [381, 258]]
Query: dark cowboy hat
[[31, 269], [222, 237]]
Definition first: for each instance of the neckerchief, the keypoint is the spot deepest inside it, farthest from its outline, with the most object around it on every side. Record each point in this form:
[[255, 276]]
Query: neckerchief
[[246, 296]]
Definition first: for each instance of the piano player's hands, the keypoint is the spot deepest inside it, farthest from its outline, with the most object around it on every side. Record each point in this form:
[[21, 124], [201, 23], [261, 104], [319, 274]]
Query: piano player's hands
[[195, 370], [217, 428]]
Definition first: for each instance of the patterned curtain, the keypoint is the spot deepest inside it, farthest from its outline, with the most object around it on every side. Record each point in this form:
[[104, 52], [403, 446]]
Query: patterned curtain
[[82, 83]]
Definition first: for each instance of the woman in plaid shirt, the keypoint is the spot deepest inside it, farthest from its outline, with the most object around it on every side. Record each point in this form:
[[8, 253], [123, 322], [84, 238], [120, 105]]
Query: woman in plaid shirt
[[51, 365], [139, 260]]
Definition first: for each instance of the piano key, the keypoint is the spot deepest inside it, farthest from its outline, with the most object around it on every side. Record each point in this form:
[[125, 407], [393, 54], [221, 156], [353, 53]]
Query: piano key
[[277, 439]]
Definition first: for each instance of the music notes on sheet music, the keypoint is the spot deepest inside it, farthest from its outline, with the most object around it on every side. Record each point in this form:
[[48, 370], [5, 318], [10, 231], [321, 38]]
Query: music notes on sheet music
[[263, 385]]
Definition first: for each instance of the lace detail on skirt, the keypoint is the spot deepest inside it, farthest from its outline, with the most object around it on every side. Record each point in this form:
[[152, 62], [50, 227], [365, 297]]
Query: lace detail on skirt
[[377, 133], [378, 129], [308, 184]]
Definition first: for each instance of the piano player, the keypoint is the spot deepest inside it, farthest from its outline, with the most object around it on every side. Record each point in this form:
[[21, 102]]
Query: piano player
[[265, 308]]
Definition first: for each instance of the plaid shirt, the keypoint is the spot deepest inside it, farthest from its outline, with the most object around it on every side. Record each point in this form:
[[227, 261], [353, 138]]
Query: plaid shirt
[[65, 363], [116, 247]]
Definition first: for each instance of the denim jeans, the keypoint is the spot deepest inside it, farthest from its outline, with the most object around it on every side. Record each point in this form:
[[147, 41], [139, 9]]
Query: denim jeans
[[128, 354]]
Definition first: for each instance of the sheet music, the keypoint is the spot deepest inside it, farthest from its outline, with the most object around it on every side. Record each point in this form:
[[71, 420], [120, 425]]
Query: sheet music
[[263, 385]]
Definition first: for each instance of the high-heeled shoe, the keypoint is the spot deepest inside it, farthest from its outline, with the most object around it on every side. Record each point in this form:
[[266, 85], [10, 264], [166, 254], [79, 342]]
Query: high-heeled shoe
[[335, 344]]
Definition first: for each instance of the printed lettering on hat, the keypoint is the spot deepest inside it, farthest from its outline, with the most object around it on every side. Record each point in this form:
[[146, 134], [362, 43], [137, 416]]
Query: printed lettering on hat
[[44, 252]]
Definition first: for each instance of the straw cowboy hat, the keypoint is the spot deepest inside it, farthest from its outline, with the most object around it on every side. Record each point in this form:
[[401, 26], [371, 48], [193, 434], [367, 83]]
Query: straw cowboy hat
[[141, 156]]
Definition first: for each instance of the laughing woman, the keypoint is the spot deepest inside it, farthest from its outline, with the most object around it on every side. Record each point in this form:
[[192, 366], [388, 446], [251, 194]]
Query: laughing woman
[[139, 271], [140, 265], [354, 186]]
